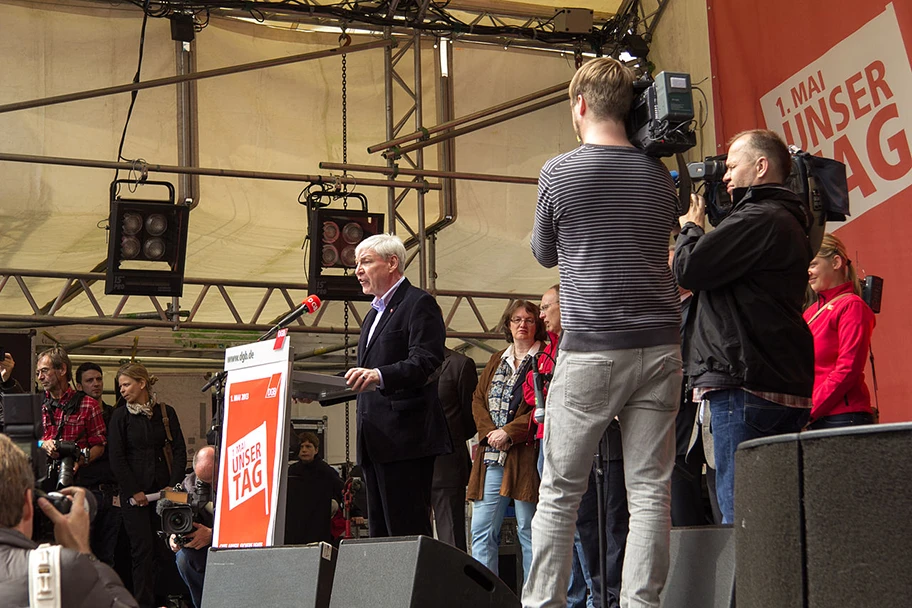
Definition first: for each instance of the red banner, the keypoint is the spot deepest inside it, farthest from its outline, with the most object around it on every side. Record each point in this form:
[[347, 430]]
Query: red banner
[[834, 78]]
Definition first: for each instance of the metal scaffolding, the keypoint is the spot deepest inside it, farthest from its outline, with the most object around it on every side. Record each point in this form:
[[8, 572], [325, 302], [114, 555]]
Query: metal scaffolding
[[406, 138]]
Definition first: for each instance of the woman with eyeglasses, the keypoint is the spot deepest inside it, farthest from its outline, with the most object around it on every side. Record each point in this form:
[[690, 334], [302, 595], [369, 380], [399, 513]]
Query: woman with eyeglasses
[[504, 463], [842, 324]]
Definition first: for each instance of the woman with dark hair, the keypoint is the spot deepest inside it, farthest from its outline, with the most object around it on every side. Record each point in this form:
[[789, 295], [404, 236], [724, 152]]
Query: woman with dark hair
[[504, 464], [842, 324], [147, 455]]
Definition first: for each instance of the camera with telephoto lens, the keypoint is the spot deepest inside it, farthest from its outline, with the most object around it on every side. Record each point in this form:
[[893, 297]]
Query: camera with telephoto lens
[[66, 466]]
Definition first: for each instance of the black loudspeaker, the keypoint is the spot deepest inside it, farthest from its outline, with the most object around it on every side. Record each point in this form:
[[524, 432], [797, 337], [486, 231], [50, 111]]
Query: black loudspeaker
[[277, 577], [702, 572], [413, 572], [822, 518]]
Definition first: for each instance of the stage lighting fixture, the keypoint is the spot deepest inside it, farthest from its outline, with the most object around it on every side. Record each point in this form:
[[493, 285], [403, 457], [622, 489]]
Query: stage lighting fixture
[[148, 243], [334, 235]]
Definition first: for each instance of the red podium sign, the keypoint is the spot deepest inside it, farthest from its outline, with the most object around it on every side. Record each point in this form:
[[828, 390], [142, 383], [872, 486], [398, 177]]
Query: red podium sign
[[251, 489]]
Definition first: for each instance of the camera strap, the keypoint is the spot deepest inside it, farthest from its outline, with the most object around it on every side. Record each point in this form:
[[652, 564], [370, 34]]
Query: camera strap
[[44, 576], [69, 408], [166, 449]]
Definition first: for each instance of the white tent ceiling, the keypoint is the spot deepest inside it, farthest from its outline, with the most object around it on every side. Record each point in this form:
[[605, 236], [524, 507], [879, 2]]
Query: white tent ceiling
[[282, 119]]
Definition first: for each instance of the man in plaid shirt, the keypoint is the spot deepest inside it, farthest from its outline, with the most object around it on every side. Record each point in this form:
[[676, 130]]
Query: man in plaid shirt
[[80, 422]]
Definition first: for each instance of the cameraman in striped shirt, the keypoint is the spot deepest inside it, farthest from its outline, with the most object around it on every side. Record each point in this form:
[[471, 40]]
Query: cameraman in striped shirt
[[605, 212]]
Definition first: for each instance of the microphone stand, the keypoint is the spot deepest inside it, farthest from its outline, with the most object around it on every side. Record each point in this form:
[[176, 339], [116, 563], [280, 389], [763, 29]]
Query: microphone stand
[[601, 465]]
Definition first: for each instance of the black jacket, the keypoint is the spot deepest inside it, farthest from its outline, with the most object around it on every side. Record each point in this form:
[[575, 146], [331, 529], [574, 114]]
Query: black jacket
[[135, 443], [312, 486], [405, 419], [456, 385], [749, 277]]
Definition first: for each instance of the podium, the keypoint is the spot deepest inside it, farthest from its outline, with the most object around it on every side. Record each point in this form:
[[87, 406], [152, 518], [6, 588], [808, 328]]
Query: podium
[[324, 388]]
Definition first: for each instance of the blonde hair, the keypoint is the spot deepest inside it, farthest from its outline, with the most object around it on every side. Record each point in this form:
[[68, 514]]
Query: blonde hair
[[607, 86], [830, 247], [137, 372]]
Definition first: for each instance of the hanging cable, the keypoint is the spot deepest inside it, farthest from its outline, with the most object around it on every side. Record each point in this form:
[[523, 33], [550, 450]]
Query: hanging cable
[[142, 44]]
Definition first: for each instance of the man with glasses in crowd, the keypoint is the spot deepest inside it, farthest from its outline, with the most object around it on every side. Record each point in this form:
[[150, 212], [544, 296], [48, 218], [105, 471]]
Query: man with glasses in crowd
[[67, 414]]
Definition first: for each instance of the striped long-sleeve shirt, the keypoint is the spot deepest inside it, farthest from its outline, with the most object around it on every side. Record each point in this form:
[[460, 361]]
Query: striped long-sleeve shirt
[[604, 216]]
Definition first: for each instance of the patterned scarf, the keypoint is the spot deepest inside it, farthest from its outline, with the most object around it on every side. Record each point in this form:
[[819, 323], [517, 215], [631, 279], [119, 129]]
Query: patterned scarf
[[141, 408]]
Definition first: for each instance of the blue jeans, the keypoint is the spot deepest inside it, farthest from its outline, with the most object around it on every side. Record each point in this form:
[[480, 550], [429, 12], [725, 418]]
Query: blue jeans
[[740, 416], [191, 564], [487, 518]]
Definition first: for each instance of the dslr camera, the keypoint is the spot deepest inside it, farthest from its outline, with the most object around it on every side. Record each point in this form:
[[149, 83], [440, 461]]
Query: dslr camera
[[66, 466]]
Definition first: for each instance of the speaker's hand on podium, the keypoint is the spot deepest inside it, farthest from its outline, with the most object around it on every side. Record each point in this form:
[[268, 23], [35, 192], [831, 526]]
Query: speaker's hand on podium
[[361, 379]]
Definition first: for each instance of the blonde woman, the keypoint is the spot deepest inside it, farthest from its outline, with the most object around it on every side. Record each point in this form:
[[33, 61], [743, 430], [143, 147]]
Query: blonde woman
[[842, 325], [147, 455]]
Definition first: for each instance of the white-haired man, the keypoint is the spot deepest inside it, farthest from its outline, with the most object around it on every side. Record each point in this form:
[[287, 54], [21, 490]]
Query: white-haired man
[[401, 425]]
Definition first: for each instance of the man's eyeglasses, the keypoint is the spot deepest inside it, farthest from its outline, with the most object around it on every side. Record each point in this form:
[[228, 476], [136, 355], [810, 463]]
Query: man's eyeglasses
[[545, 307], [42, 371], [521, 321]]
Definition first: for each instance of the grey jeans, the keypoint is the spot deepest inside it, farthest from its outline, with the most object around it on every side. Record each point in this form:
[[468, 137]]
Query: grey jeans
[[642, 387]]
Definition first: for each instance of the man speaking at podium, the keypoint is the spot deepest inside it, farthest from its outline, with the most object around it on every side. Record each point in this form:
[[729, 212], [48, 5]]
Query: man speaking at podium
[[401, 424]]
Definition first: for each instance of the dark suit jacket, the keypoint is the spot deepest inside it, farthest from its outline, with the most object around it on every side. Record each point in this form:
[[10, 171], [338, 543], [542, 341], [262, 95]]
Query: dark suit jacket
[[456, 384], [405, 419]]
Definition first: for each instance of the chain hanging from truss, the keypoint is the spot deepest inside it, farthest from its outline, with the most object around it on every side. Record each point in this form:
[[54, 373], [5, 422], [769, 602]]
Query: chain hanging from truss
[[345, 40]]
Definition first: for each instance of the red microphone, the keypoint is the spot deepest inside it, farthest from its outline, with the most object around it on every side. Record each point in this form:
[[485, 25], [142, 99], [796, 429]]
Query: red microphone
[[308, 306]]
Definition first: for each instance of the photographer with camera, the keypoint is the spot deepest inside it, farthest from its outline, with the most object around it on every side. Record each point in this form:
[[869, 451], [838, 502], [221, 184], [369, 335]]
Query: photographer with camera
[[75, 577], [192, 547], [750, 355], [604, 215], [73, 427]]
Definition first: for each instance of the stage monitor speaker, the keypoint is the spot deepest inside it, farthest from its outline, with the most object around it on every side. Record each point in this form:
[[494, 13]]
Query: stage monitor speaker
[[702, 572], [413, 572], [277, 577], [822, 518]]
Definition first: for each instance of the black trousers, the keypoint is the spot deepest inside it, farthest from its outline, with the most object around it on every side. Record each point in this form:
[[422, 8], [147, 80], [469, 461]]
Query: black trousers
[[398, 496], [141, 525], [105, 527], [449, 515]]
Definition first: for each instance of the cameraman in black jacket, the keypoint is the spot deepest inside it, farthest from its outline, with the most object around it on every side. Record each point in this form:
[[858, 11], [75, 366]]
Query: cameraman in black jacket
[[749, 353], [194, 547]]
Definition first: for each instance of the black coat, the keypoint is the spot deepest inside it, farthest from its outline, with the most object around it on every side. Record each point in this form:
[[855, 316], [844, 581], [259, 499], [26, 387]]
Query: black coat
[[456, 385], [137, 459], [405, 420], [308, 512], [749, 277]]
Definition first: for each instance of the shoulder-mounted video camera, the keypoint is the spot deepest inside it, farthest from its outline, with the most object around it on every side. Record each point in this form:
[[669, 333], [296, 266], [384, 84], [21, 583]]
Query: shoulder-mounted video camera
[[179, 509], [661, 116]]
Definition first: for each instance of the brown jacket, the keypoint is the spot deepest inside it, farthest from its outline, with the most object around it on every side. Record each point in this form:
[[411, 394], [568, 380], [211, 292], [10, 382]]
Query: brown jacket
[[520, 480]]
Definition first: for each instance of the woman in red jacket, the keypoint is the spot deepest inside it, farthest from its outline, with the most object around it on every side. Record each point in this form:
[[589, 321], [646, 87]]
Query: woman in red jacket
[[842, 325]]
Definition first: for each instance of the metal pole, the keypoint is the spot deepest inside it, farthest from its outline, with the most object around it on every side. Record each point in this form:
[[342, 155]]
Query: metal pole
[[469, 117], [396, 152], [160, 82], [322, 351], [156, 168], [69, 348], [481, 177], [419, 164], [388, 98]]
